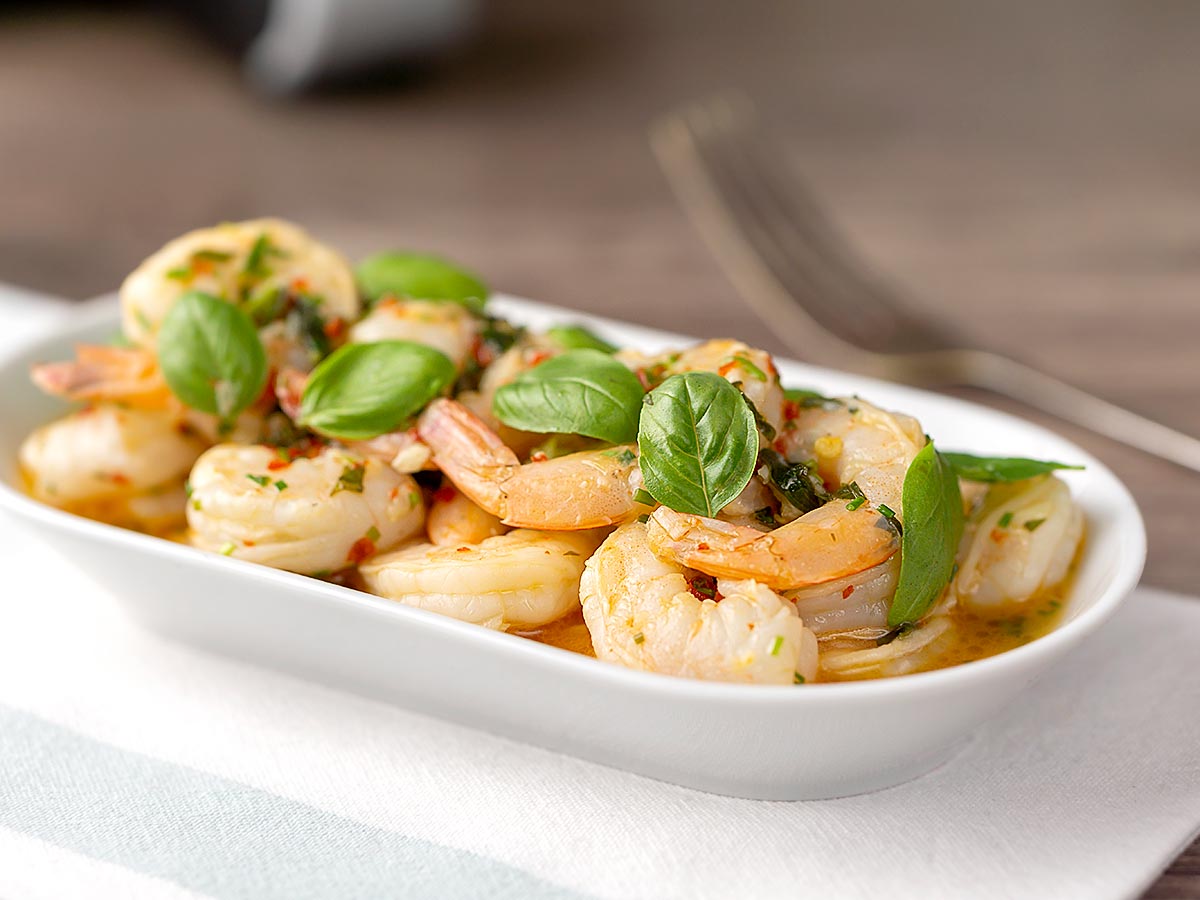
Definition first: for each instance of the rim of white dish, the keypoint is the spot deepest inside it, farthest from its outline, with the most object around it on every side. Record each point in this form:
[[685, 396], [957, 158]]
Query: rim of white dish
[[1015, 661]]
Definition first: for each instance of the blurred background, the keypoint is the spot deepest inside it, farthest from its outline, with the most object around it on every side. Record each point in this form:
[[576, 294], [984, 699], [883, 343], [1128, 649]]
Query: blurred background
[[1027, 172]]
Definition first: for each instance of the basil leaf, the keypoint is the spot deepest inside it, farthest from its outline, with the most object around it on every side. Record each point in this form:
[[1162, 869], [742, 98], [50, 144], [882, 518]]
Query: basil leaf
[[933, 526], [361, 391], [578, 392], [420, 277], [576, 337], [698, 443], [211, 356], [1000, 468], [793, 482]]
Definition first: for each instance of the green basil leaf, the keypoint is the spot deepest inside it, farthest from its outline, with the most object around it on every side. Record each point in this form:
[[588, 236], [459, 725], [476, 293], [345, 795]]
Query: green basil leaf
[[698, 443], [361, 391], [933, 526], [1000, 468], [420, 277], [576, 337], [793, 482], [578, 392], [211, 356]]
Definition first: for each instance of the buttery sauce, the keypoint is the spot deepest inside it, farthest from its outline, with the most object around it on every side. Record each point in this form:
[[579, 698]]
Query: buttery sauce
[[969, 636]]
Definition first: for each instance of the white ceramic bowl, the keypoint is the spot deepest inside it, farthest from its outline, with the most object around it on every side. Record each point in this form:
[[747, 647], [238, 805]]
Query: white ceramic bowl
[[779, 743]]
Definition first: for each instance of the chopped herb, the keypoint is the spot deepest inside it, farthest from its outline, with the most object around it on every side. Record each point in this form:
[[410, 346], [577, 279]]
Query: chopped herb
[[187, 489], [1005, 520], [799, 679], [856, 503], [181, 273], [142, 319], [749, 367], [886, 510], [351, 479], [260, 480], [624, 456], [993, 469], [212, 255], [228, 548], [372, 533], [258, 253], [643, 518], [413, 499], [281, 485], [1032, 524], [639, 638], [793, 482], [304, 323], [643, 496], [196, 504], [810, 399], [777, 645], [766, 515], [890, 518]]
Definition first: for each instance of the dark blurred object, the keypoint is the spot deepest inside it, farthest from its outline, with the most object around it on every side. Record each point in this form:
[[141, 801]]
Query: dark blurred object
[[293, 45]]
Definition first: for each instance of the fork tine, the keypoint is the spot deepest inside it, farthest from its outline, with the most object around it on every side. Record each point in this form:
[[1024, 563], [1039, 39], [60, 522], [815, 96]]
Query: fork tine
[[752, 203]]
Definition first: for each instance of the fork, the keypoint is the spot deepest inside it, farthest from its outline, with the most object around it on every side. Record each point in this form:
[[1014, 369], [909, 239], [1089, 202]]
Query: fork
[[789, 262]]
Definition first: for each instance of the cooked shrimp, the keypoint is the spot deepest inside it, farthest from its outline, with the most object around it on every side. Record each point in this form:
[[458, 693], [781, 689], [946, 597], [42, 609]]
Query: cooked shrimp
[[752, 370], [642, 613], [857, 441], [127, 375], [577, 491], [912, 651], [520, 580], [856, 603], [455, 519], [235, 260], [309, 515], [829, 543], [119, 465], [1024, 541], [448, 327]]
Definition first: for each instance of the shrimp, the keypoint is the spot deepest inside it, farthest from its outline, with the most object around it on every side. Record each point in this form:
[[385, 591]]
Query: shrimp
[[127, 375], [642, 613], [236, 260], [829, 543], [912, 651], [309, 515], [855, 442], [751, 370], [1025, 538], [520, 580], [573, 492], [448, 327], [454, 519], [97, 461], [856, 603]]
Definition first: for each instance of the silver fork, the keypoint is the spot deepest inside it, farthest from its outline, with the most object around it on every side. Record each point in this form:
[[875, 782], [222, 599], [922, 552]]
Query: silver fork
[[787, 260]]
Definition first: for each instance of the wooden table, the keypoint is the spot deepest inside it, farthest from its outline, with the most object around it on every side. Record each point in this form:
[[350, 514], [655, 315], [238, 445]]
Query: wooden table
[[1030, 174]]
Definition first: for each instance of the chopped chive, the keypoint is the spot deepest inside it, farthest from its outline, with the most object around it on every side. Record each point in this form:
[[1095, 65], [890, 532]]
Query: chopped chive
[[187, 489], [799, 679], [886, 510], [639, 638], [643, 496], [181, 273], [260, 480], [1032, 524], [751, 369], [777, 645], [1005, 520], [228, 548], [856, 503], [372, 533], [643, 518], [212, 255], [281, 485], [351, 479]]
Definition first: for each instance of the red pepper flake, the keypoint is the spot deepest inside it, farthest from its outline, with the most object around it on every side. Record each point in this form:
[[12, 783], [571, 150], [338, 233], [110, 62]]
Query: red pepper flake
[[704, 587], [119, 478], [445, 494], [300, 285], [360, 550], [727, 368], [849, 589], [791, 409], [247, 543], [780, 446], [538, 456], [88, 410], [998, 535], [537, 357], [276, 464], [201, 266], [702, 546], [334, 328]]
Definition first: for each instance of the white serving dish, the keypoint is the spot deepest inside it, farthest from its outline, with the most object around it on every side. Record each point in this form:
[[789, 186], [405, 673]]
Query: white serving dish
[[778, 743]]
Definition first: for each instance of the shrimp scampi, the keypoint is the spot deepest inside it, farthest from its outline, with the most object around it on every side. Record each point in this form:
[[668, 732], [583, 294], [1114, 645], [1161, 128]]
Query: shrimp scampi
[[672, 510]]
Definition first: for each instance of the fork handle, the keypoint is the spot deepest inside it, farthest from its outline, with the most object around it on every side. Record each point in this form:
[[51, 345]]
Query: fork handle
[[1011, 378]]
